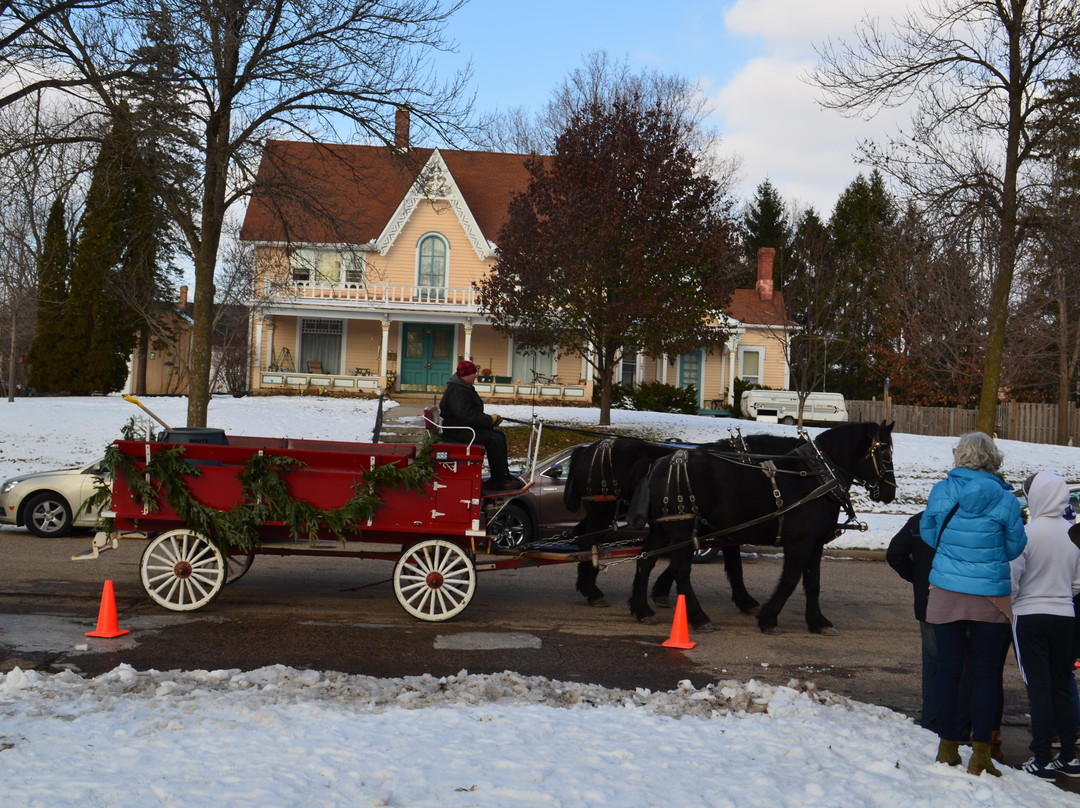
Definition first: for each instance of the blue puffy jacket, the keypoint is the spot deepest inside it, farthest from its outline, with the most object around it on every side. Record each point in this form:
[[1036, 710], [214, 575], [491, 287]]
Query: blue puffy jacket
[[983, 536]]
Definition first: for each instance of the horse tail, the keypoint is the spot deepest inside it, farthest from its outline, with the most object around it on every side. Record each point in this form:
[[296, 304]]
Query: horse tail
[[571, 494]]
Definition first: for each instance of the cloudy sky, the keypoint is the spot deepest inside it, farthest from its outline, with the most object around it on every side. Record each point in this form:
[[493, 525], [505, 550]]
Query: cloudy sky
[[751, 58]]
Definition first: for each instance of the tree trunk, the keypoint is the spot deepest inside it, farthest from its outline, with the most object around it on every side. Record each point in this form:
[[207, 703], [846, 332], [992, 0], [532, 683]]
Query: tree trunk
[[1009, 236], [607, 373], [11, 359], [144, 354]]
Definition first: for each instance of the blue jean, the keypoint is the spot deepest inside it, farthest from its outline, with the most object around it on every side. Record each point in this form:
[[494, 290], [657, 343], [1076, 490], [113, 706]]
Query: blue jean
[[928, 718], [988, 644]]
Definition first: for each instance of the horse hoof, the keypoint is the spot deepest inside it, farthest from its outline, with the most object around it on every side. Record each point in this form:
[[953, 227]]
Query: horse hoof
[[649, 620], [704, 628], [663, 601], [828, 631], [599, 603], [774, 630]]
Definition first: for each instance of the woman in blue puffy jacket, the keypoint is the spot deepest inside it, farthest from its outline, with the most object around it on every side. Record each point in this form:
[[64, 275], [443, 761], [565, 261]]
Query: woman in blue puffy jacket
[[973, 521]]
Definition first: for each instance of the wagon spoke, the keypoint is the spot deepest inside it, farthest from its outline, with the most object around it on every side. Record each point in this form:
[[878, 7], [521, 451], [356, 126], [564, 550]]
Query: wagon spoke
[[434, 580], [182, 570]]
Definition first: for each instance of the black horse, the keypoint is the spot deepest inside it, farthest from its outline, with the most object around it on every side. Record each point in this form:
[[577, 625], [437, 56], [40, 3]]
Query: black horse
[[793, 500], [601, 480], [757, 447]]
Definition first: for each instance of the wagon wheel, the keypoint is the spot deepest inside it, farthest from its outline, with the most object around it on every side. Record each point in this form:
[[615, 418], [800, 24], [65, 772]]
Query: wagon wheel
[[236, 566], [434, 580], [182, 570]]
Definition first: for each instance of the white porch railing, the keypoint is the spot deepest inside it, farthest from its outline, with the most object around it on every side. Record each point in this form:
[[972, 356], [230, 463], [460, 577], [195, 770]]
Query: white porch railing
[[381, 294], [280, 379]]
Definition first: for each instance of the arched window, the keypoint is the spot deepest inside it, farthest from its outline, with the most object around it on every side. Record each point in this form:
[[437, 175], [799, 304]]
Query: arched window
[[432, 253]]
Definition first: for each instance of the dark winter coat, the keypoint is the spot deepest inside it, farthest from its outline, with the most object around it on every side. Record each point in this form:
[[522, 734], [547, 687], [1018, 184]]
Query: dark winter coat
[[461, 405], [912, 559]]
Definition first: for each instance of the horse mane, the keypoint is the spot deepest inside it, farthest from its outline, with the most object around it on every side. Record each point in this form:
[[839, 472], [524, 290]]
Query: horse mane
[[847, 442], [571, 495]]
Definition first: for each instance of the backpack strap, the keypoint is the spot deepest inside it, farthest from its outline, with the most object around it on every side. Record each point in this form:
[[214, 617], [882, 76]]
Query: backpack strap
[[942, 530]]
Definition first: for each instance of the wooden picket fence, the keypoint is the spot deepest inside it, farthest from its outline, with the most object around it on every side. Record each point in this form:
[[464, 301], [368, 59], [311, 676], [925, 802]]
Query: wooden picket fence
[[1032, 423]]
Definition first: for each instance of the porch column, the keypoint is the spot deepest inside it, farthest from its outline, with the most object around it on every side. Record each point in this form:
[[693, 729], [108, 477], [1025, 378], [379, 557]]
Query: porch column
[[268, 326], [384, 349], [733, 356], [663, 372], [468, 338]]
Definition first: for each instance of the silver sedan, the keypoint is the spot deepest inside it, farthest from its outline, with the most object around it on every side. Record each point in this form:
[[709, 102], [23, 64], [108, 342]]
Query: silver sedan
[[49, 503]]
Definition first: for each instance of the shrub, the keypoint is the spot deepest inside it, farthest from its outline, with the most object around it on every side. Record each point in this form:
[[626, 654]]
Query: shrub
[[660, 397]]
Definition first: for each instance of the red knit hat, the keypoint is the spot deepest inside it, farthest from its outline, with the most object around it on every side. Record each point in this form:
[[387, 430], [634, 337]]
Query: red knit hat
[[465, 368]]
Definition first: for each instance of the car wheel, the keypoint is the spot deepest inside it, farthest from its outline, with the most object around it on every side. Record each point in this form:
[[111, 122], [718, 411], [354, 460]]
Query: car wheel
[[512, 528], [788, 420], [48, 516]]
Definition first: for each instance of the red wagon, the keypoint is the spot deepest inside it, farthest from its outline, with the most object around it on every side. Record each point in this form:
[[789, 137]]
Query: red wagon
[[433, 532]]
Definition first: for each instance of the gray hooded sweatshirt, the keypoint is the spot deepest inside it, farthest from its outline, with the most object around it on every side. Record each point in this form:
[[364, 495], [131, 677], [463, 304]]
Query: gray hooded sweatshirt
[[1047, 574]]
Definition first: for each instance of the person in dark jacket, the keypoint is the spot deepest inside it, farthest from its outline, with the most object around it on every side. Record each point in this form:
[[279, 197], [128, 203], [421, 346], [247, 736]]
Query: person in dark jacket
[[462, 413], [973, 522], [912, 559]]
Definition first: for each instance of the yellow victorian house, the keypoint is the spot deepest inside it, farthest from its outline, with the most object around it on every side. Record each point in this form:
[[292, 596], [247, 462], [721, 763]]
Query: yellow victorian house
[[365, 259]]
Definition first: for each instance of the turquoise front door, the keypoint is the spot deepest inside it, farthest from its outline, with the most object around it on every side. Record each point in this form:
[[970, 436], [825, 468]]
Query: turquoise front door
[[429, 357]]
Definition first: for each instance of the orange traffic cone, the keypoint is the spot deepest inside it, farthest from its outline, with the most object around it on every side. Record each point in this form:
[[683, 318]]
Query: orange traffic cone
[[106, 620], [680, 635]]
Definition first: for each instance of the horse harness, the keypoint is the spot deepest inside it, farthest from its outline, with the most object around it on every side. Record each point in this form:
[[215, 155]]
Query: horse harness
[[685, 506], [601, 465]]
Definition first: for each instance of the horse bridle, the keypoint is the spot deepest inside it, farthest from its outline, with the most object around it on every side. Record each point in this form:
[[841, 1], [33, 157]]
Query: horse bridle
[[880, 455]]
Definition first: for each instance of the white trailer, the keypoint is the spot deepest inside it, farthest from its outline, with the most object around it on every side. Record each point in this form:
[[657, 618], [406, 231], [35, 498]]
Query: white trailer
[[782, 406]]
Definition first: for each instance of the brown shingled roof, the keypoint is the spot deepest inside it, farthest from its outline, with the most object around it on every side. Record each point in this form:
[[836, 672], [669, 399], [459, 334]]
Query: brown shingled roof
[[331, 193], [325, 193], [746, 307]]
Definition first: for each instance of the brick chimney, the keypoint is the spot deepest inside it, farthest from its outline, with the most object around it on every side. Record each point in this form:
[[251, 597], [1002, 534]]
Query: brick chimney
[[764, 287], [183, 297], [401, 129]]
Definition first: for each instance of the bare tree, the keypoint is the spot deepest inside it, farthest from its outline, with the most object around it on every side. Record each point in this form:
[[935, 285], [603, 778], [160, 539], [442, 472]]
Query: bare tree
[[232, 315], [35, 176], [222, 77], [978, 71]]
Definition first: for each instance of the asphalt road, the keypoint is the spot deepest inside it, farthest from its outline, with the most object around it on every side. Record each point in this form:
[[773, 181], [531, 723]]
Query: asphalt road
[[341, 614]]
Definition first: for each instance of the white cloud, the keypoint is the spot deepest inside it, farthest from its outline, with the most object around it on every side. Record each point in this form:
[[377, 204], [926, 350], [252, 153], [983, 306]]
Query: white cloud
[[798, 24], [769, 114]]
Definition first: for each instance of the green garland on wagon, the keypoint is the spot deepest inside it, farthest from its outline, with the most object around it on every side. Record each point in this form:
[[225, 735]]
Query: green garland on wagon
[[266, 496]]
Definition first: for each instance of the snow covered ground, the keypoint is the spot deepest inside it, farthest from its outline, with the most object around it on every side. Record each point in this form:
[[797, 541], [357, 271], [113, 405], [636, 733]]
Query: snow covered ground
[[283, 737]]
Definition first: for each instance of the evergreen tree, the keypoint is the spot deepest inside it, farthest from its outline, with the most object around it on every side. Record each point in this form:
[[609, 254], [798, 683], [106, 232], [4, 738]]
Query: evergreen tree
[[98, 328], [54, 269], [765, 224], [861, 229]]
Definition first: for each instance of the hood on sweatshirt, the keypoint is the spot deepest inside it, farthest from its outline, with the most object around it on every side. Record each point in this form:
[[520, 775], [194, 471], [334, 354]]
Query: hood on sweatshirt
[[1047, 495]]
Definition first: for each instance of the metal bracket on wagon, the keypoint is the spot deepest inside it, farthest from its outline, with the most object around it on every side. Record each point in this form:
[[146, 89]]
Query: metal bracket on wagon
[[102, 541]]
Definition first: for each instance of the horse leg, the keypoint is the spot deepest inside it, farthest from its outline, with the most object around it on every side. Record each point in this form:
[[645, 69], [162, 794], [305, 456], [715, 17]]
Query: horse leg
[[586, 584], [815, 620], [682, 561], [639, 601], [796, 557], [744, 601], [585, 537], [661, 591]]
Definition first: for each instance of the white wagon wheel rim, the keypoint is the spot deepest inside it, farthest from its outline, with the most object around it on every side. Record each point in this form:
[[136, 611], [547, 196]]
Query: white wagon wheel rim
[[434, 580], [182, 570]]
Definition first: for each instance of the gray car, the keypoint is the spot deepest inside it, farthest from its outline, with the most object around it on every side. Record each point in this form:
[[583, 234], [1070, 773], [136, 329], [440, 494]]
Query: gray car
[[539, 511], [49, 503]]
